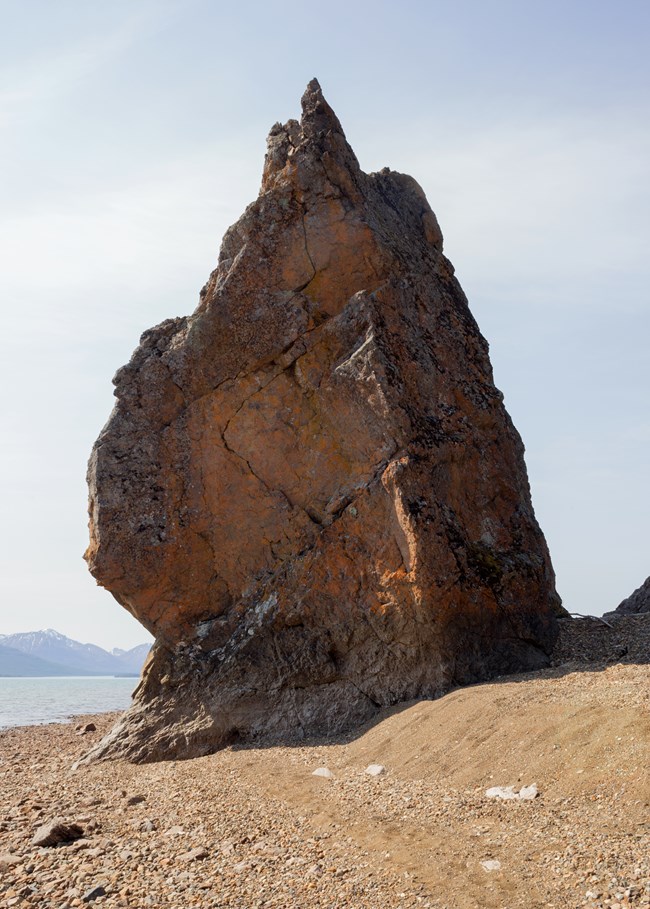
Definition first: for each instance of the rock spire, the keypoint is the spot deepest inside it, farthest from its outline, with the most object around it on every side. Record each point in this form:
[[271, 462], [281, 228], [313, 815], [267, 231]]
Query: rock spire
[[309, 490]]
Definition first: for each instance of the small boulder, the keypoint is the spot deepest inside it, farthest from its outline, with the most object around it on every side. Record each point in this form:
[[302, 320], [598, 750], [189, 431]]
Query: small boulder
[[375, 769], [8, 861], [491, 865], [136, 800], [324, 772], [85, 728], [56, 833]]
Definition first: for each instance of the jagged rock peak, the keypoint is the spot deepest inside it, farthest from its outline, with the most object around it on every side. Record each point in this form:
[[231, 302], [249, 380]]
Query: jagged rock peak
[[309, 490], [317, 116], [318, 136]]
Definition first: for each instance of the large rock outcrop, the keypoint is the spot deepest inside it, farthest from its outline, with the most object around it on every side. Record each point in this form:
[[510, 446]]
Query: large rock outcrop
[[310, 491]]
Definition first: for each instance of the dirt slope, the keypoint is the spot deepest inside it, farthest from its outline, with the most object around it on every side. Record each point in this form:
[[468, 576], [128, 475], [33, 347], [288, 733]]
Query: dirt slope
[[583, 737]]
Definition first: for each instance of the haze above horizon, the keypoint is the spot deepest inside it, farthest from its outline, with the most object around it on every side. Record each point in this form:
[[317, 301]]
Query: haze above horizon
[[134, 134]]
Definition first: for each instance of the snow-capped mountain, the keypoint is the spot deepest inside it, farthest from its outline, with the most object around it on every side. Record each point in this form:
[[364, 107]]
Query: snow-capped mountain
[[63, 652], [14, 663]]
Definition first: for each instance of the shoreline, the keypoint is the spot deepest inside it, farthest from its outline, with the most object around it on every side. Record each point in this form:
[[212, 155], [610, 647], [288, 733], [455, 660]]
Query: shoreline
[[34, 701], [252, 827]]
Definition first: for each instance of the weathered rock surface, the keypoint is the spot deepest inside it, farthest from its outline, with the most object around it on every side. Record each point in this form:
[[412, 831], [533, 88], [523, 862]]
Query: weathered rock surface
[[639, 601], [310, 491]]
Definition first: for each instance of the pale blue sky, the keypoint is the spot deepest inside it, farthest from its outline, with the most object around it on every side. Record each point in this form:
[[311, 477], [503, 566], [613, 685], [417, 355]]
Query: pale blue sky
[[133, 133]]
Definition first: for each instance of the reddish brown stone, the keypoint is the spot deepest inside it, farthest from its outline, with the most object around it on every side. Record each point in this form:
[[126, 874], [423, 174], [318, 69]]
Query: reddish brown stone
[[310, 490]]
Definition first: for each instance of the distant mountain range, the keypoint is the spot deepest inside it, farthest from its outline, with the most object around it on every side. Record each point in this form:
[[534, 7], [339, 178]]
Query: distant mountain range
[[43, 653]]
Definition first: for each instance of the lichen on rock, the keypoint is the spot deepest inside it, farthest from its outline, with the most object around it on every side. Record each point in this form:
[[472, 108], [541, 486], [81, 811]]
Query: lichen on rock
[[309, 490]]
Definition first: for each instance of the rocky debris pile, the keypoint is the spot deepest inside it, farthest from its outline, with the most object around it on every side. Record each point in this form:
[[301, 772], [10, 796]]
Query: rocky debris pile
[[310, 490], [614, 638], [639, 601]]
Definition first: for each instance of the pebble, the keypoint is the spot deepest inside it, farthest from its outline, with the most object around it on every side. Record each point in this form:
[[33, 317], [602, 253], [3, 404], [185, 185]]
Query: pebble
[[194, 854], [8, 860]]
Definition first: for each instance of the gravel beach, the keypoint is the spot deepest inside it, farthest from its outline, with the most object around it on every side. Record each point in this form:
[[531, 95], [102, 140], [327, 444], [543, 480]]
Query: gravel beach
[[255, 828]]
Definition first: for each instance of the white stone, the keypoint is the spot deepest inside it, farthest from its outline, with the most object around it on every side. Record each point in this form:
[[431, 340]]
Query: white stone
[[502, 792], [375, 769], [528, 793], [325, 772], [491, 864]]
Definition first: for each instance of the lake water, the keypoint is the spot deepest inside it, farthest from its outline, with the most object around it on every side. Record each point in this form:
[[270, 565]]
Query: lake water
[[27, 702]]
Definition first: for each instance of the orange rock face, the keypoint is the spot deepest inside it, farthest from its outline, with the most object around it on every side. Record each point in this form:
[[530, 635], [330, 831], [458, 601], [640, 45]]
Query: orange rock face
[[310, 491]]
